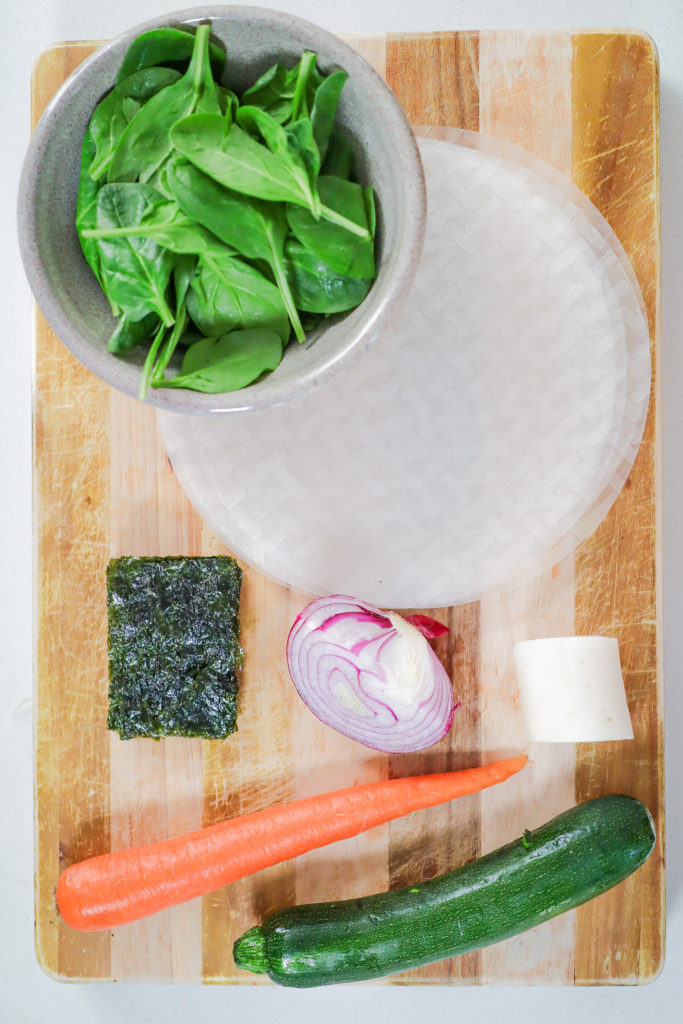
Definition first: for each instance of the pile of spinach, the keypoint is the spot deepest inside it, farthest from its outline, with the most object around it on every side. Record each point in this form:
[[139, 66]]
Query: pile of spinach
[[219, 224]]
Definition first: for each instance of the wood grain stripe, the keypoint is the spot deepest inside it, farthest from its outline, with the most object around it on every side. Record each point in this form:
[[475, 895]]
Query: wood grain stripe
[[435, 76], [540, 608], [373, 48], [156, 789], [525, 96], [526, 92], [71, 782], [616, 163], [432, 842], [325, 760], [252, 770]]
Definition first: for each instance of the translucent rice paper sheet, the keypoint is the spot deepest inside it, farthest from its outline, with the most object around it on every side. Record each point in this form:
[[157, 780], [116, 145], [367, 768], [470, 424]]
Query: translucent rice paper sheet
[[486, 432]]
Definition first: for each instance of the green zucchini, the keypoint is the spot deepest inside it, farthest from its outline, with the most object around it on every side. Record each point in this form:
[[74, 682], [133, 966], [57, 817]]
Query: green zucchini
[[564, 863]]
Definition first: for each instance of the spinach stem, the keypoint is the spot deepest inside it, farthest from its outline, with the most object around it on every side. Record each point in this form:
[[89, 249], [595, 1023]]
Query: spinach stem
[[165, 313], [97, 169], [136, 232], [169, 348], [344, 222], [149, 362], [200, 55], [306, 64], [283, 284], [315, 205]]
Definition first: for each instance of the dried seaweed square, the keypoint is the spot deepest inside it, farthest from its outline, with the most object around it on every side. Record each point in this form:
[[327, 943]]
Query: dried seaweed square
[[174, 649]]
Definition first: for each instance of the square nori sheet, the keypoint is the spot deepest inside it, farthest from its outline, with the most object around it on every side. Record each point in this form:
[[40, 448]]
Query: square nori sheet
[[173, 646]]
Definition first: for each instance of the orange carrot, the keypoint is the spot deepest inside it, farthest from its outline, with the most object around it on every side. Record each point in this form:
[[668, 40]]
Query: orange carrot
[[119, 887]]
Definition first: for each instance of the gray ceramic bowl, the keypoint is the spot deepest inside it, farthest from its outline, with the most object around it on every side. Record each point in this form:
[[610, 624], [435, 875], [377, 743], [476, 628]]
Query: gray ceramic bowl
[[386, 157]]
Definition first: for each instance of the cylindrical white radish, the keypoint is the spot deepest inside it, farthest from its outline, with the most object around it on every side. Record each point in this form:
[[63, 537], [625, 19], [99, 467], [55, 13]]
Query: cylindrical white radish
[[572, 689]]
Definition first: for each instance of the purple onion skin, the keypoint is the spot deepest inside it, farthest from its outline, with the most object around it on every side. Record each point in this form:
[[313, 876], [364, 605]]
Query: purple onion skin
[[340, 654], [428, 626]]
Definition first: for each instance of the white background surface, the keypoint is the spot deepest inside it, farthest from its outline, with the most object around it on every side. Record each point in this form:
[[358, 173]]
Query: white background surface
[[26, 994]]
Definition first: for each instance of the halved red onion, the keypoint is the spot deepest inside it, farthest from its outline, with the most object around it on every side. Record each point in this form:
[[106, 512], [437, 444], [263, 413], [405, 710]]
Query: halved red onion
[[370, 675]]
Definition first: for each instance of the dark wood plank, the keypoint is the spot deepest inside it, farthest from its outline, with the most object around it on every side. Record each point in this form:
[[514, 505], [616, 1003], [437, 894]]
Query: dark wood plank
[[616, 163]]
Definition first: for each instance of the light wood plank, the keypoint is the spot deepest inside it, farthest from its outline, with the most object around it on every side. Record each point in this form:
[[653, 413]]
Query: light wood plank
[[327, 761], [525, 92], [544, 607], [429, 843], [252, 769], [525, 96], [437, 840], [70, 502], [156, 789], [373, 48]]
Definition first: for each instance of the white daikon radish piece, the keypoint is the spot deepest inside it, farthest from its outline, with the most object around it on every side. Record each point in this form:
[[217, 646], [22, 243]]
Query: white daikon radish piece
[[572, 690]]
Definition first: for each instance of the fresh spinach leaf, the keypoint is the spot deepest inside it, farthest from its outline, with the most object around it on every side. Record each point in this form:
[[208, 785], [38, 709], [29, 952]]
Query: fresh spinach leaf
[[145, 144], [300, 93], [307, 82], [303, 149], [331, 244], [158, 180], [275, 90], [227, 294], [166, 46], [294, 147], [259, 123], [86, 207], [228, 362], [233, 158], [163, 222], [238, 161], [324, 109], [240, 221], [128, 334], [370, 210], [165, 342], [316, 287], [113, 115], [190, 335], [135, 270], [228, 102], [197, 186], [180, 234], [130, 107], [154, 371], [339, 157], [254, 228], [311, 320], [183, 273], [146, 374]]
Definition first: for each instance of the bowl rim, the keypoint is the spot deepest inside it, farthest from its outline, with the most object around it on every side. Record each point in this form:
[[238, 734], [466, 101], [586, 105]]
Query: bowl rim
[[268, 393]]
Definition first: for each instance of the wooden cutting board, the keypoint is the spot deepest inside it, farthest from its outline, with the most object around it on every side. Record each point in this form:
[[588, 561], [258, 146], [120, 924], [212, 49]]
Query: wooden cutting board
[[588, 104]]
